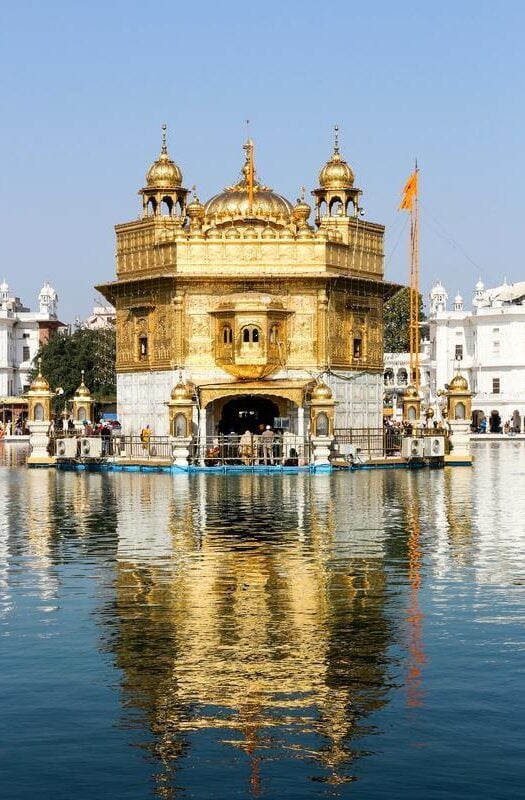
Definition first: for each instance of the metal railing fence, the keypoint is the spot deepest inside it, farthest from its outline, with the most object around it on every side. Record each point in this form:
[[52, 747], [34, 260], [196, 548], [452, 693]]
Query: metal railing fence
[[250, 450]]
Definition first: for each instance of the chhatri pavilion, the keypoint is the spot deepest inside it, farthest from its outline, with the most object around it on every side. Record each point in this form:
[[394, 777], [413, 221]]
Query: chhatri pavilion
[[245, 311]]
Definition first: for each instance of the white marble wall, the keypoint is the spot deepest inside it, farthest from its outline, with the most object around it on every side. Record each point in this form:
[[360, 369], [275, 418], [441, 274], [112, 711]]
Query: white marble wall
[[359, 398], [142, 398]]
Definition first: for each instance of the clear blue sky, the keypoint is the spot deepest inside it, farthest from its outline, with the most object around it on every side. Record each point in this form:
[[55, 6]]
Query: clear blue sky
[[86, 86]]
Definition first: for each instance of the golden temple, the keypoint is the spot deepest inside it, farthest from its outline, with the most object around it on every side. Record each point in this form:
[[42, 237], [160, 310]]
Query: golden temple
[[250, 303]]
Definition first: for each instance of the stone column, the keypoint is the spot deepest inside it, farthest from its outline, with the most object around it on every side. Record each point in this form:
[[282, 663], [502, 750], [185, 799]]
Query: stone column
[[300, 423], [202, 437]]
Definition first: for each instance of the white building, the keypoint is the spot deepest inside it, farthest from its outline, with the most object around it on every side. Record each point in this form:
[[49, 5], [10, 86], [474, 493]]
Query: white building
[[101, 317], [22, 331], [487, 343]]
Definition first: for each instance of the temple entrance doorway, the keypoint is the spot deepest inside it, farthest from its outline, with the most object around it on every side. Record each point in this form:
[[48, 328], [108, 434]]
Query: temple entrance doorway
[[247, 413]]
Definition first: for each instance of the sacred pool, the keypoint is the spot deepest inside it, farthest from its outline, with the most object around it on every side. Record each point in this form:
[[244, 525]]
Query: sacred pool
[[345, 635]]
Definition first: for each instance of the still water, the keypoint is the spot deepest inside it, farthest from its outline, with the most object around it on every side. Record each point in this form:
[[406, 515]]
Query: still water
[[355, 635]]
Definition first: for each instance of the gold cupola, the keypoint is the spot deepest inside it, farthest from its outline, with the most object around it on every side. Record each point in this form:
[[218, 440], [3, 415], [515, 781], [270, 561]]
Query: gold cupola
[[248, 200], [82, 390], [39, 384], [82, 404], [164, 195], [336, 192], [336, 173]]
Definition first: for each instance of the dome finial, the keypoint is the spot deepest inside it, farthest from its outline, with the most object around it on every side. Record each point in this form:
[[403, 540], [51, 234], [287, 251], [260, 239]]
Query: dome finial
[[39, 368], [336, 140], [164, 148]]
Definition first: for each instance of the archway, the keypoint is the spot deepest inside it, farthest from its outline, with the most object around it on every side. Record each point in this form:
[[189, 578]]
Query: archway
[[247, 413]]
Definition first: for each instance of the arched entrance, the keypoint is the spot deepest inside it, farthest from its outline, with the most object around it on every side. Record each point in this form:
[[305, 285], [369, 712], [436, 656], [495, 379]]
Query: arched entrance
[[247, 413]]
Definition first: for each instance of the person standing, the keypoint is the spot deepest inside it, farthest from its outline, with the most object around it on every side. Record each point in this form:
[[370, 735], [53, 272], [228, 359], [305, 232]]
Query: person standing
[[246, 448], [267, 445], [145, 435]]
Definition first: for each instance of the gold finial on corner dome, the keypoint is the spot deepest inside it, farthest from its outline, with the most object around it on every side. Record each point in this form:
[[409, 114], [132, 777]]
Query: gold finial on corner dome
[[164, 148], [336, 140], [303, 193]]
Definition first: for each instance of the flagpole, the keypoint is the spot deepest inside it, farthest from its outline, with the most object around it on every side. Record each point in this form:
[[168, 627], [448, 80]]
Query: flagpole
[[414, 285]]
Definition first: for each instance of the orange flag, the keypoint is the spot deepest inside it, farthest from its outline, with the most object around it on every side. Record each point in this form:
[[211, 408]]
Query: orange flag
[[409, 192]]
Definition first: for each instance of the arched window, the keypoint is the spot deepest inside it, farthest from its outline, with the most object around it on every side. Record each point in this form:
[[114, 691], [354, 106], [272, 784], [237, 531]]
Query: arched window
[[321, 424], [180, 426], [251, 335], [411, 413], [274, 334], [152, 206], [402, 377], [81, 414], [143, 346], [459, 411], [166, 207], [336, 207], [227, 334], [39, 412]]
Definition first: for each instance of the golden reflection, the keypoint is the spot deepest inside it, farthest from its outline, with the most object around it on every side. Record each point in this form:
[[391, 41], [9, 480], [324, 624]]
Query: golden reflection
[[247, 614], [415, 617]]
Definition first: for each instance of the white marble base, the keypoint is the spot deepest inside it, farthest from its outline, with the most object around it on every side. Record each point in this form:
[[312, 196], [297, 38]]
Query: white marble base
[[39, 441], [181, 451], [460, 437], [321, 450]]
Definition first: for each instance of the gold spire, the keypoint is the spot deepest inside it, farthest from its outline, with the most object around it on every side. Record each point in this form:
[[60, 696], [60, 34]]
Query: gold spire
[[336, 173], [39, 384], [82, 390], [249, 169], [336, 140], [164, 173]]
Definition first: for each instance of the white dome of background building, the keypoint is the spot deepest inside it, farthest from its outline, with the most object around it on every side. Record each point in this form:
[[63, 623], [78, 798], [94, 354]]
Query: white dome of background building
[[480, 295], [458, 302], [48, 299], [438, 299]]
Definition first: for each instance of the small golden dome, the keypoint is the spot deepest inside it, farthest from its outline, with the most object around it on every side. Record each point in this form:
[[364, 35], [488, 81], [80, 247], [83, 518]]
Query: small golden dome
[[181, 391], [164, 173], [301, 211], [268, 233], [82, 390], [458, 384], [336, 173], [321, 392], [39, 384], [195, 209], [232, 233], [411, 393]]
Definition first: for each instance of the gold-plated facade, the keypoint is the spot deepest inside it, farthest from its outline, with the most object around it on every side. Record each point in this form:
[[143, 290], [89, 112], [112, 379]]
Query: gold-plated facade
[[242, 289]]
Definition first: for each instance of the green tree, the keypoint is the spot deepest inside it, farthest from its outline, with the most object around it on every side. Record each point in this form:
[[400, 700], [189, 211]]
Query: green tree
[[67, 353], [396, 320]]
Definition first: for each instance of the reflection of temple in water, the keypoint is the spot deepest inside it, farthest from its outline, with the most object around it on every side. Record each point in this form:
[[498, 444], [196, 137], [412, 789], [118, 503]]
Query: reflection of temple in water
[[247, 612]]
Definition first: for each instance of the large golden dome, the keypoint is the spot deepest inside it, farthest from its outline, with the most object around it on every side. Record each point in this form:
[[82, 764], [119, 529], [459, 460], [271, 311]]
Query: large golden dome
[[336, 173], [248, 199], [164, 173]]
